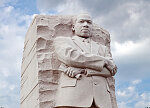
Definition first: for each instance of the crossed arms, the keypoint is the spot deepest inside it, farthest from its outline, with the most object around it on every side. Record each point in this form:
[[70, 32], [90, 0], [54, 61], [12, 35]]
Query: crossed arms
[[73, 57]]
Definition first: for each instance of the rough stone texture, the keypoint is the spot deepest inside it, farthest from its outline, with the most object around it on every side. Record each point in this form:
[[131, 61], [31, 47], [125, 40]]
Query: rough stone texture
[[39, 75]]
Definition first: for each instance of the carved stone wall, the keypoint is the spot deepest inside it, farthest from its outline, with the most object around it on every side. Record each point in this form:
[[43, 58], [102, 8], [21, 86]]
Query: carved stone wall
[[39, 75]]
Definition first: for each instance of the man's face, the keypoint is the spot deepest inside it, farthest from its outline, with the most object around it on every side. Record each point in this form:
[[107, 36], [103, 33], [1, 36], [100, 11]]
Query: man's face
[[83, 26]]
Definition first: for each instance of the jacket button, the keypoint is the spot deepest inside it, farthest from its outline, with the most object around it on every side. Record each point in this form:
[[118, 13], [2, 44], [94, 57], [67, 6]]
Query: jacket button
[[95, 83]]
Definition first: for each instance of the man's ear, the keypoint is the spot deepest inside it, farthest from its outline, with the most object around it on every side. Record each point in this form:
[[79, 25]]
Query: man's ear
[[73, 28]]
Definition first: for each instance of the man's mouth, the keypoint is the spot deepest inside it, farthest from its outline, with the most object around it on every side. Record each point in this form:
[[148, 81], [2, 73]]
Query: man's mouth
[[85, 30]]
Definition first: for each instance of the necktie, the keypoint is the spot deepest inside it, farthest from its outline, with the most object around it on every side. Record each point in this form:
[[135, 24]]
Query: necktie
[[87, 44]]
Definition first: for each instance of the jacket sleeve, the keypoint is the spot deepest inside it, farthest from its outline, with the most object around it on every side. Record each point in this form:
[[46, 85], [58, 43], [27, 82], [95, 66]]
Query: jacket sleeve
[[71, 56], [112, 64], [108, 54]]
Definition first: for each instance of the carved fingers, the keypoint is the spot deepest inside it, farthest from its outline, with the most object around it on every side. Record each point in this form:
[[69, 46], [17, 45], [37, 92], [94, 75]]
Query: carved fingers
[[72, 71], [112, 69]]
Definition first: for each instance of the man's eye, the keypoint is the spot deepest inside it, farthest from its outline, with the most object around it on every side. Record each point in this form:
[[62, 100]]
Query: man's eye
[[89, 22], [81, 21]]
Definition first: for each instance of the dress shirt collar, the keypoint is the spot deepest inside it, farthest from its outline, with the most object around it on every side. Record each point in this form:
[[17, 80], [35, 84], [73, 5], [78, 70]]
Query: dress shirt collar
[[83, 39]]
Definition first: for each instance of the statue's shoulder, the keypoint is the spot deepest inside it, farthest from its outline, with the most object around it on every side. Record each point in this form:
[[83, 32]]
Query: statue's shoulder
[[62, 38]]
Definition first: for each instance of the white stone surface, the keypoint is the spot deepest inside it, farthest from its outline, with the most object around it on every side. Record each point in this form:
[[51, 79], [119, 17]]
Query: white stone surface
[[39, 73]]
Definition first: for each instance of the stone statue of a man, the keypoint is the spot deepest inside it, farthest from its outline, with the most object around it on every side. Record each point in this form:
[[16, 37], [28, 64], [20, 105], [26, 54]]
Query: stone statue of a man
[[85, 66]]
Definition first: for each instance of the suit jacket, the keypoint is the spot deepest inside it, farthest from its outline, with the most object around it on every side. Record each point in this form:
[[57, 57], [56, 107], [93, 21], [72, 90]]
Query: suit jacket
[[81, 93]]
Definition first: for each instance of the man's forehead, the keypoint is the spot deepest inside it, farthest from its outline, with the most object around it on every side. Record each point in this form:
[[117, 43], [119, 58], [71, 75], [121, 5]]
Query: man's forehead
[[84, 17]]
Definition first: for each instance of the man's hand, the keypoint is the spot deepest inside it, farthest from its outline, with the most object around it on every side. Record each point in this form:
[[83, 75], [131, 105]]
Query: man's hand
[[72, 71], [111, 67]]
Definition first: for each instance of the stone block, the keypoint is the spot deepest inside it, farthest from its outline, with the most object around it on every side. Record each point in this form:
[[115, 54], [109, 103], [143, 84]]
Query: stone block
[[39, 71]]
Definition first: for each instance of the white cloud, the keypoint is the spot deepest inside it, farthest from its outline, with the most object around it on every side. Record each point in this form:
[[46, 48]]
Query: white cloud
[[72, 7], [144, 101], [4, 72], [126, 21], [126, 93], [121, 93], [48, 5], [8, 9], [136, 82], [129, 48], [3, 2], [12, 87], [125, 49], [142, 104], [13, 27], [3, 84], [131, 89], [129, 96], [122, 105], [61, 7]]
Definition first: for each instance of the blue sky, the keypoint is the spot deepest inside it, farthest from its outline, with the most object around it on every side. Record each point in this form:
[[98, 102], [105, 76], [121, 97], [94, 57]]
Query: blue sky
[[126, 20]]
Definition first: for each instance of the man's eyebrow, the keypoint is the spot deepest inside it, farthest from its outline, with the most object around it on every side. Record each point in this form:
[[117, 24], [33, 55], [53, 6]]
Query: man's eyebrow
[[85, 20]]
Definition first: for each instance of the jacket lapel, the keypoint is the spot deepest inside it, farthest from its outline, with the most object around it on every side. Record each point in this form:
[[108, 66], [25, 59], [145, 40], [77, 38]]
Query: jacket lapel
[[94, 47], [97, 49], [79, 43], [102, 49]]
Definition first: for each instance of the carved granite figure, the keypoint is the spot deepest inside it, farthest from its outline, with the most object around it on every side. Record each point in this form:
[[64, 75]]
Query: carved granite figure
[[85, 68]]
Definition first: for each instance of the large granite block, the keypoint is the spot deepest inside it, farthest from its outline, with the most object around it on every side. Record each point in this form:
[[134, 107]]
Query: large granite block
[[39, 73]]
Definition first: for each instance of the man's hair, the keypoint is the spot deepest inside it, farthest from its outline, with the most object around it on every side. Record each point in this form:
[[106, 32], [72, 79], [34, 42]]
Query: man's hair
[[74, 19]]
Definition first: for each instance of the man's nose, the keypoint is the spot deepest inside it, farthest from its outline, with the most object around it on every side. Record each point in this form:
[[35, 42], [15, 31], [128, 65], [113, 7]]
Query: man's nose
[[85, 24]]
